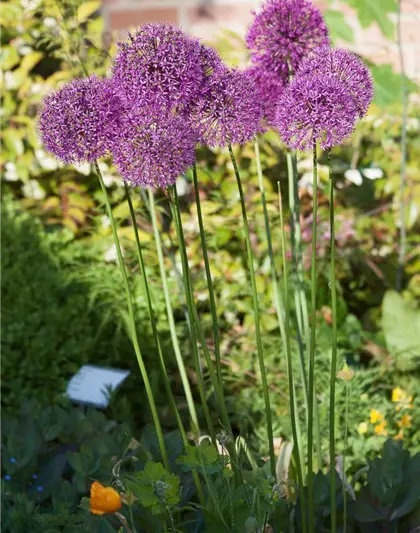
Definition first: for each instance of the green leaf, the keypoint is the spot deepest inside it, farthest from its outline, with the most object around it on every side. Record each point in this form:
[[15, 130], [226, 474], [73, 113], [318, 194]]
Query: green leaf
[[370, 11], [362, 512], [87, 9], [13, 141], [155, 487], [9, 57], [388, 85], [407, 502], [30, 60], [197, 457], [401, 326], [339, 29]]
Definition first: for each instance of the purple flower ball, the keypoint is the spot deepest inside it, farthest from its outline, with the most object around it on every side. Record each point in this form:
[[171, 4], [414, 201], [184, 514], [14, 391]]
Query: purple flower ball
[[283, 33], [348, 67], [77, 122], [317, 108], [152, 151], [159, 65], [270, 87], [229, 111]]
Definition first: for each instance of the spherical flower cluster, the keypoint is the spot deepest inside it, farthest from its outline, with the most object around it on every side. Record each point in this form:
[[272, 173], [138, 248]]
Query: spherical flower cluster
[[159, 64], [77, 121], [151, 151], [229, 111], [315, 108], [283, 33], [270, 87], [347, 67]]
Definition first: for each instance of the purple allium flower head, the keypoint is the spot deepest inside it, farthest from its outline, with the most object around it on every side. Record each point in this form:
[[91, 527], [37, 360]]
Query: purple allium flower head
[[318, 108], [152, 151], [283, 32], [270, 87], [348, 67], [160, 65], [230, 109], [77, 122]]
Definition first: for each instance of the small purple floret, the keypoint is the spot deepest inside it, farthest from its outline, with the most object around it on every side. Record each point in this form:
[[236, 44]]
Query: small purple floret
[[230, 110], [77, 121], [317, 108], [348, 68], [153, 151], [283, 33], [270, 87], [159, 65]]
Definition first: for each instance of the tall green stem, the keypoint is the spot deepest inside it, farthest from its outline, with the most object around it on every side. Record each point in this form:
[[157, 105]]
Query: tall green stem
[[170, 315], [346, 427], [153, 318], [157, 340], [256, 315], [185, 270], [195, 320], [333, 354], [200, 383], [278, 299], [313, 342], [132, 324], [403, 229], [209, 278], [302, 307], [293, 412]]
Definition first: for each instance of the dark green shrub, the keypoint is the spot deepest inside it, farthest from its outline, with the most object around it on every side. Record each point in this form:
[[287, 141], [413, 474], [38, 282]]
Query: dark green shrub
[[62, 308], [48, 329]]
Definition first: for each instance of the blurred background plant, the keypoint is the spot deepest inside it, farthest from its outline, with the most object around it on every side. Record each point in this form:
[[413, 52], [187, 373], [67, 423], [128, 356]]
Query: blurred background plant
[[61, 294]]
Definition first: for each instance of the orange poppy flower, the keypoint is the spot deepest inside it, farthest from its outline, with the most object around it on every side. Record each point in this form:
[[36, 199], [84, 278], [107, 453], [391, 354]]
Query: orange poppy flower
[[104, 499]]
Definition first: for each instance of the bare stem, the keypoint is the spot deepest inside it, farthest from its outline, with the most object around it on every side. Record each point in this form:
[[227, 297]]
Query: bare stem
[[403, 230]]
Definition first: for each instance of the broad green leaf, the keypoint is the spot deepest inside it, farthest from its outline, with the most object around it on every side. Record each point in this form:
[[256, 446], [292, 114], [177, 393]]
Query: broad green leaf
[[9, 57], [87, 9], [13, 141], [10, 13], [364, 513], [339, 29], [202, 456], [155, 487], [370, 11], [388, 86], [30, 60], [401, 326]]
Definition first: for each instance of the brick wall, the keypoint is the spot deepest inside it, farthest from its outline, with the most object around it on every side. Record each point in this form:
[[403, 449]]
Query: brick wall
[[204, 18]]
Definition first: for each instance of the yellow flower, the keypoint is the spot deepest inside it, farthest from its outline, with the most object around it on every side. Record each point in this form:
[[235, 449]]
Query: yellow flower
[[380, 429], [375, 416], [405, 421], [104, 499], [398, 394], [362, 428], [399, 435]]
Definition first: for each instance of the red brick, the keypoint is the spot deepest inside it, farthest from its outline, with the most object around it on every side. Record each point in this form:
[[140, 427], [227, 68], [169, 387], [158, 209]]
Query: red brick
[[410, 6], [410, 31], [221, 14], [128, 18]]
